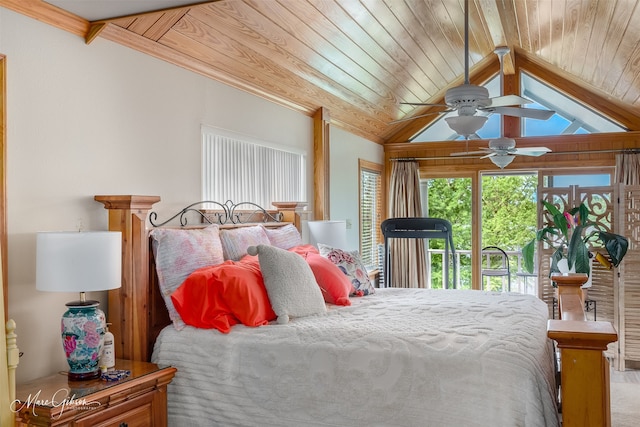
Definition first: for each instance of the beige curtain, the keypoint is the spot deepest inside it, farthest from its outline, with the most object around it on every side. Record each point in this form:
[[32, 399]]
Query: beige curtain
[[408, 256], [628, 168]]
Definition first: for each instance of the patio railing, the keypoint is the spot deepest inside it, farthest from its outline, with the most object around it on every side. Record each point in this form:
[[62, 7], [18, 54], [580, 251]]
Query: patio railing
[[521, 280]]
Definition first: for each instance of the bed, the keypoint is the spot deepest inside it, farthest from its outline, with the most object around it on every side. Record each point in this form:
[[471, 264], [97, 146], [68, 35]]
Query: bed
[[392, 357], [402, 357]]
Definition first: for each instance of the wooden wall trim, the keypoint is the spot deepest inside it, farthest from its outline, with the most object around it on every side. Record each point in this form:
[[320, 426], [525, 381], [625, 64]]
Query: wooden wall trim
[[321, 155], [593, 150], [49, 14], [3, 185]]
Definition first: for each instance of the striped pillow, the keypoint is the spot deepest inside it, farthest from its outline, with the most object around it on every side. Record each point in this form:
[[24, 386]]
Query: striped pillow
[[284, 237]]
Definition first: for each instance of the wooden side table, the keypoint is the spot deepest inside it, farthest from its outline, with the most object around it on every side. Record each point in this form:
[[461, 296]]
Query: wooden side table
[[137, 400]]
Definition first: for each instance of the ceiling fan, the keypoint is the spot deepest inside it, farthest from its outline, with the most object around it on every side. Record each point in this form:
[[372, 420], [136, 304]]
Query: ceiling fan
[[502, 151], [467, 99]]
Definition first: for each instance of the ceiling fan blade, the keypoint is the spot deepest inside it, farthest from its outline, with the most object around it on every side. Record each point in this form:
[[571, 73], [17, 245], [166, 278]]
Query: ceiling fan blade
[[489, 155], [423, 104], [531, 151], [406, 119], [469, 153], [530, 113], [506, 100]]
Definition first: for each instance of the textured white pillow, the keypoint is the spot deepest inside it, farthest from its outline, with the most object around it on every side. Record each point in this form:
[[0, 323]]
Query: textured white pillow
[[285, 237], [290, 283], [236, 241]]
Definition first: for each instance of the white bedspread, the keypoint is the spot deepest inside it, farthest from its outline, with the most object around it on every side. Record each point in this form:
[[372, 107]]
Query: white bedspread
[[401, 357]]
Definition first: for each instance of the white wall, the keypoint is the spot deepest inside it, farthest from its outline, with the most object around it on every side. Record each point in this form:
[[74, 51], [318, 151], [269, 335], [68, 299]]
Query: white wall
[[104, 119], [346, 149]]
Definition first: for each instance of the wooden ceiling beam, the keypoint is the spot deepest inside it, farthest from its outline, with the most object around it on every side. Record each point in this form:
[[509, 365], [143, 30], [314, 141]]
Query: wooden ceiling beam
[[591, 150]]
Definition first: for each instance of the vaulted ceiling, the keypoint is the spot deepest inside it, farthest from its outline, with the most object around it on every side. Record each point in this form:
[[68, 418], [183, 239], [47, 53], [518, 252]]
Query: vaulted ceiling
[[360, 59]]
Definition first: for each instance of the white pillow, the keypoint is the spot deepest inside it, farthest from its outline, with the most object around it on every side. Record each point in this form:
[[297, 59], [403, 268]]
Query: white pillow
[[285, 237], [236, 241], [290, 283]]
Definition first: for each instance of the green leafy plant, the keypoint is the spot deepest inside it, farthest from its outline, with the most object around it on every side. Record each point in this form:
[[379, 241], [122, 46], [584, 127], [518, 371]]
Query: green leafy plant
[[575, 232]]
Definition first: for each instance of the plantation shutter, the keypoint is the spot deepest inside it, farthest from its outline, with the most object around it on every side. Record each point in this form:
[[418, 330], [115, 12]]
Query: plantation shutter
[[370, 215], [240, 169]]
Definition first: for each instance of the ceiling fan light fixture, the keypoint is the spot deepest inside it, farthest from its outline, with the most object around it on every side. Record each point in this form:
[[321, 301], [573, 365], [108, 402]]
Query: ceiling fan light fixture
[[466, 125], [502, 160], [502, 143]]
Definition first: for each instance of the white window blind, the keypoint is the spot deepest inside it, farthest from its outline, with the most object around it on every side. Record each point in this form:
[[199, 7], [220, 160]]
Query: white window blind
[[241, 169], [370, 214]]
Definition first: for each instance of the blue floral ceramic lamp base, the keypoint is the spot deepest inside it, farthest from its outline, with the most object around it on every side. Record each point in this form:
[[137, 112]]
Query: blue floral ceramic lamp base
[[83, 326]]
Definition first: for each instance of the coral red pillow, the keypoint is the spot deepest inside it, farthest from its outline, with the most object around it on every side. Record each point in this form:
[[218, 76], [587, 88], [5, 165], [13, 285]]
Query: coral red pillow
[[304, 249], [222, 296], [334, 285]]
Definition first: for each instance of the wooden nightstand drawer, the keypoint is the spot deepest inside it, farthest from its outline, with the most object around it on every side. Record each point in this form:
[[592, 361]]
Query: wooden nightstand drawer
[[137, 412], [136, 401]]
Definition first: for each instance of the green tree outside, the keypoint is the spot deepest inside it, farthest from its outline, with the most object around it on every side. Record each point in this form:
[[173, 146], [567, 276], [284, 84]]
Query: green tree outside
[[508, 218]]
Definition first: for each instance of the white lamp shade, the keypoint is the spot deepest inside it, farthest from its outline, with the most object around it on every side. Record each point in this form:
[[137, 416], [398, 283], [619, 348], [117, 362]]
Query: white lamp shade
[[331, 233], [502, 160], [78, 261], [466, 125]]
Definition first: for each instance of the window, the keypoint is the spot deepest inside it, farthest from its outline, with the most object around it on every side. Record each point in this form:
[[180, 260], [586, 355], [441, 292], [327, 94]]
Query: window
[[571, 117], [583, 178], [450, 199], [242, 169], [370, 211]]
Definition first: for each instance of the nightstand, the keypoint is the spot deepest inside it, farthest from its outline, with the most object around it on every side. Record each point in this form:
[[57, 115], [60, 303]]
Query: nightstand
[[137, 400]]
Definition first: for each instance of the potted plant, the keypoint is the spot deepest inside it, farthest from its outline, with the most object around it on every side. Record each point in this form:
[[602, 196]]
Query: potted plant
[[570, 233]]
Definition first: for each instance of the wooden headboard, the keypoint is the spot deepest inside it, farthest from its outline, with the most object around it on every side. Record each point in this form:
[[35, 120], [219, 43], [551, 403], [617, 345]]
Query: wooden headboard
[[137, 310]]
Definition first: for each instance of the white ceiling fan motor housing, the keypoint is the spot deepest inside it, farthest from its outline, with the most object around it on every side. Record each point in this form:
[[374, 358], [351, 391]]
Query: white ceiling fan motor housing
[[467, 98], [502, 144]]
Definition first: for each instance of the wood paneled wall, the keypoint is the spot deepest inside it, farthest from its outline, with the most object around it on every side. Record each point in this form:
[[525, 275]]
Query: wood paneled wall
[[567, 151]]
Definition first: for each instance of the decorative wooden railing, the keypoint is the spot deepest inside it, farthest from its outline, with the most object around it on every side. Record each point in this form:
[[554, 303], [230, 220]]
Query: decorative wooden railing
[[584, 370]]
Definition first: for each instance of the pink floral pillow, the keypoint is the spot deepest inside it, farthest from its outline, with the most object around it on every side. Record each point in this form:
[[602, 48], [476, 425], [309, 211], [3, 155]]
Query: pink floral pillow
[[350, 264], [180, 252]]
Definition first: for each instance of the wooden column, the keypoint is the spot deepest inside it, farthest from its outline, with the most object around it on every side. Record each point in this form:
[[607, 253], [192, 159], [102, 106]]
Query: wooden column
[[321, 164], [128, 214], [584, 369], [291, 212], [511, 125], [569, 286]]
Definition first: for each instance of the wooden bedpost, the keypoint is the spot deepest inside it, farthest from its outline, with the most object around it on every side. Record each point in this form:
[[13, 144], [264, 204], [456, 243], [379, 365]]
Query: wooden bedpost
[[584, 369], [292, 212], [130, 303]]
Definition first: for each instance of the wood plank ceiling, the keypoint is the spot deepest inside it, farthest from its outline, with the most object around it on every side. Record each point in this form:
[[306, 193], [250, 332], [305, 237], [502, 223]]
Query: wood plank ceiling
[[361, 58]]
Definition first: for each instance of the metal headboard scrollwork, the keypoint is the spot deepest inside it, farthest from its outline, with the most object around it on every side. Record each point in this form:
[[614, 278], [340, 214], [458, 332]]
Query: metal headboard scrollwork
[[228, 213]]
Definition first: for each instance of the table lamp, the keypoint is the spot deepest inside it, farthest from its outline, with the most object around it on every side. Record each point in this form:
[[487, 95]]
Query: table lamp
[[80, 262]]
